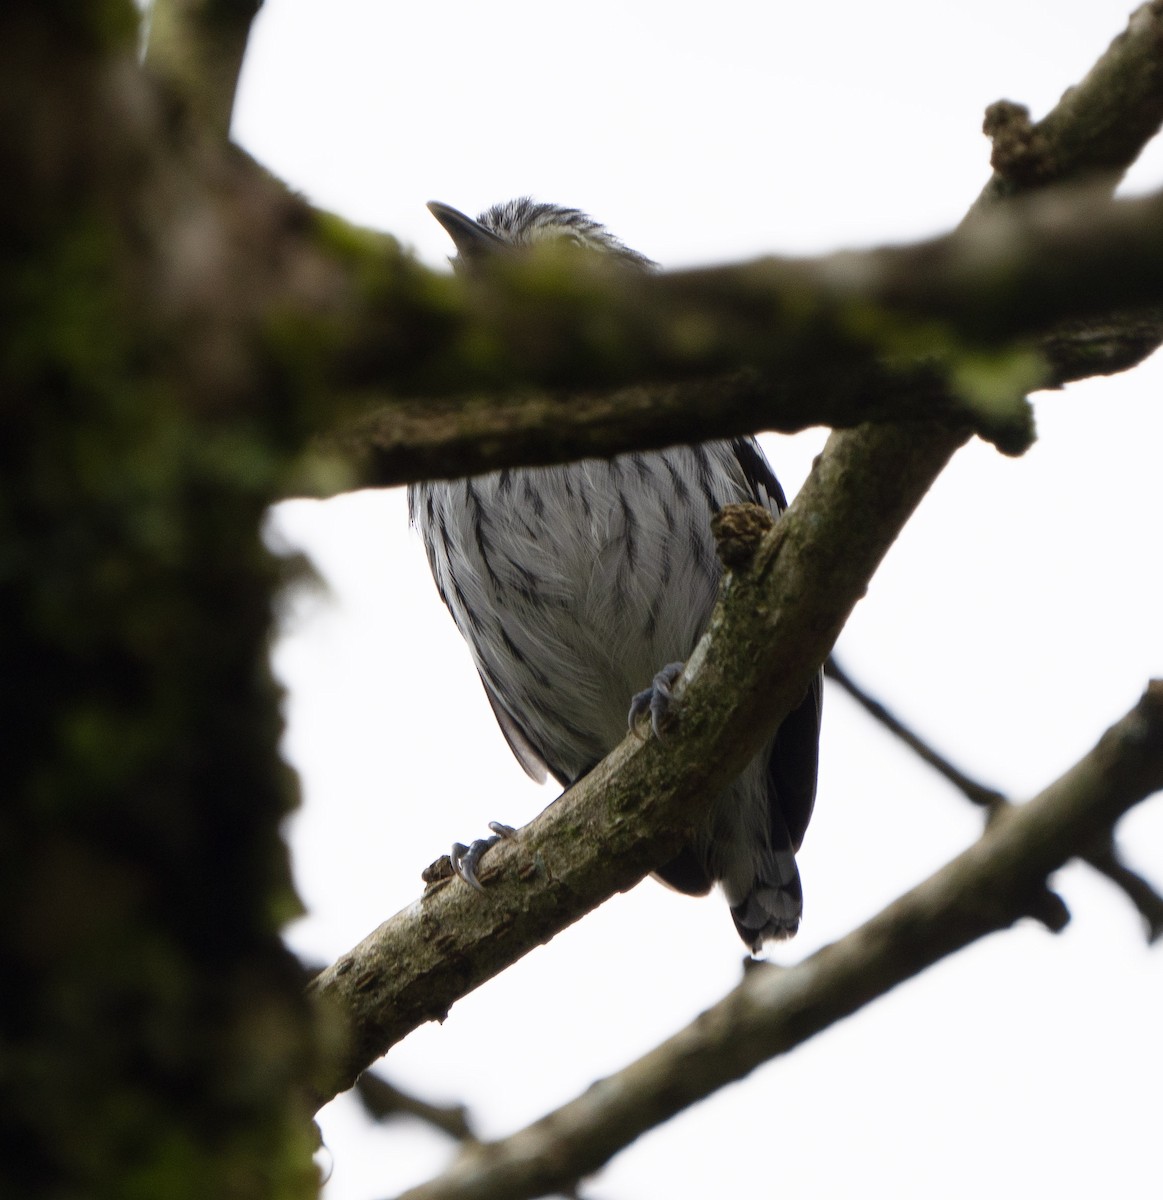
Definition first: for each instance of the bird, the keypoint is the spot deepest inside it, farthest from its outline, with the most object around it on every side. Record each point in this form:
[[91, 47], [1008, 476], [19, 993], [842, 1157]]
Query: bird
[[581, 588]]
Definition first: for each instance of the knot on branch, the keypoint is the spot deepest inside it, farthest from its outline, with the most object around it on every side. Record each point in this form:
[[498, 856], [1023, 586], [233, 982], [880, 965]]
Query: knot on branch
[[738, 530], [1021, 153], [438, 871], [1047, 908], [1149, 714]]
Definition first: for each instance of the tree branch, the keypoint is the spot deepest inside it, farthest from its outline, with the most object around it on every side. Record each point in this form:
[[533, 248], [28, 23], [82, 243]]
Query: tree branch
[[1097, 128], [197, 47], [982, 890], [836, 340]]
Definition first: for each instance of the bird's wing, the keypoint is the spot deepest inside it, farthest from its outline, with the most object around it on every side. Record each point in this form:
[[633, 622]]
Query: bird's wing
[[792, 770], [523, 749], [765, 489]]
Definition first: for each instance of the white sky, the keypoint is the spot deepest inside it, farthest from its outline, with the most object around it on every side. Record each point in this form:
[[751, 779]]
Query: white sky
[[1015, 619]]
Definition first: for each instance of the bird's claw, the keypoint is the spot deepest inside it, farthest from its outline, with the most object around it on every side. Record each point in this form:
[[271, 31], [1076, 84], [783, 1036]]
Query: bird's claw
[[466, 859], [656, 700]]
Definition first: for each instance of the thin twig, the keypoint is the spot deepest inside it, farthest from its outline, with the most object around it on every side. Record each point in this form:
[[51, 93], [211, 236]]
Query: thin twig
[[1103, 856], [383, 1100], [977, 793]]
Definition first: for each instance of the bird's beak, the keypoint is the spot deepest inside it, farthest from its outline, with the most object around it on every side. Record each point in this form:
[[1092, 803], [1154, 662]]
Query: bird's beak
[[471, 239]]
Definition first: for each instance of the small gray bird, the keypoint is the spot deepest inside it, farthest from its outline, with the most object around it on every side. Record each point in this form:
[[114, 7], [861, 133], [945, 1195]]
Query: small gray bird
[[576, 586]]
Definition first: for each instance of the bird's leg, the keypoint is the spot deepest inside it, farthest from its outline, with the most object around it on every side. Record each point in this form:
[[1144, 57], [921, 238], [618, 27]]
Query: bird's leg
[[656, 700], [466, 859]]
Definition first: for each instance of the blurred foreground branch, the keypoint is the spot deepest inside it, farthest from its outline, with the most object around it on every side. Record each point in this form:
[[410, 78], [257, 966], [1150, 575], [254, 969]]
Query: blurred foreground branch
[[1061, 286], [774, 1009], [197, 47], [1094, 132]]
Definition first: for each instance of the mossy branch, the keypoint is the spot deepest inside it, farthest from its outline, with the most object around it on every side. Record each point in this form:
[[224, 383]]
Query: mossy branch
[[197, 48], [1094, 133], [1036, 293]]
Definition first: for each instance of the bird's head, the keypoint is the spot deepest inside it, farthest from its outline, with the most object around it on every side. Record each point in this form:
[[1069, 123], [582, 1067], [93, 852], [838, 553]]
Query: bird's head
[[518, 224]]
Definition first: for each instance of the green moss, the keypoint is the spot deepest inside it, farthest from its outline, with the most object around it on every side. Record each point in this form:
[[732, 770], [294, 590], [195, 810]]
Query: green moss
[[994, 387], [142, 873], [93, 24]]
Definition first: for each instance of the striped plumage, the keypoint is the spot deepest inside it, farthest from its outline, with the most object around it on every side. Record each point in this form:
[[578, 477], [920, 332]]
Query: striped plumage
[[573, 585]]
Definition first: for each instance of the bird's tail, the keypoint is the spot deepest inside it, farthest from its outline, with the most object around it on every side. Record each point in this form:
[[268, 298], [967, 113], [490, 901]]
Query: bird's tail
[[772, 907]]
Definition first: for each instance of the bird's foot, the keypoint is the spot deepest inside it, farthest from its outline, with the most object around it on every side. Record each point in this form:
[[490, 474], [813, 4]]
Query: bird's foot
[[466, 859], [655, 700]]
